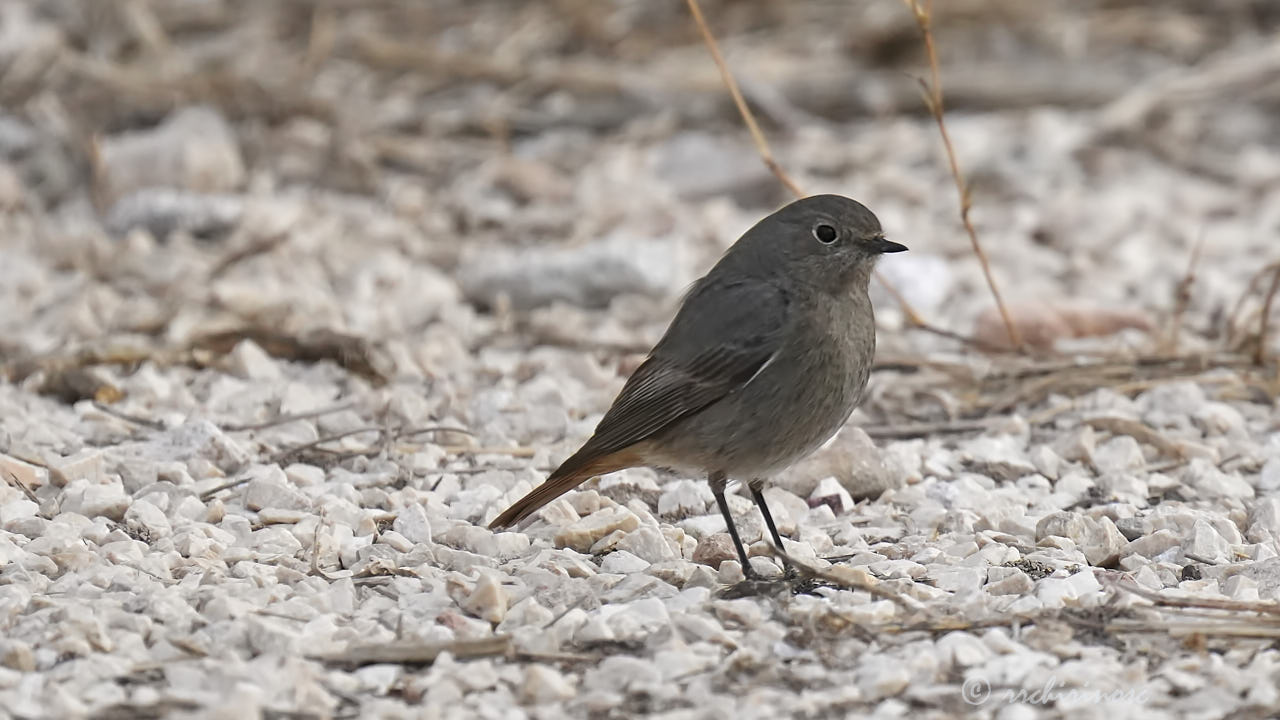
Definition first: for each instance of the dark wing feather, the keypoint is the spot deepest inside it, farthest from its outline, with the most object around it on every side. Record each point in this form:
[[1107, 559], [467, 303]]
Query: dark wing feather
[[724, 333]]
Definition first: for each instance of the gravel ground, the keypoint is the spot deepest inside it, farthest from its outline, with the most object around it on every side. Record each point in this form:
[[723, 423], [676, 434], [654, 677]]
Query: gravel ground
[[295, 297]]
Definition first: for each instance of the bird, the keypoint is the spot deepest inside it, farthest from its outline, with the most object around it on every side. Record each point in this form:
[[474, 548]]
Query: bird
[[767, 357]]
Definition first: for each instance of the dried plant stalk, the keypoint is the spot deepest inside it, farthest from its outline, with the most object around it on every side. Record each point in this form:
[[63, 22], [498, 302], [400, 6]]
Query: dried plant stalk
[[766, 154], [933, 100]]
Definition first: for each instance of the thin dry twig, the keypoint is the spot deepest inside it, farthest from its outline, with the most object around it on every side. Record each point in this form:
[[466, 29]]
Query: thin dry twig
[[766, 154], [762, 146], [850, 579], [933, 100], [1233, 319], [261, 246], [413, 653], [1263, 608], [1182, 295], [1260, 352]]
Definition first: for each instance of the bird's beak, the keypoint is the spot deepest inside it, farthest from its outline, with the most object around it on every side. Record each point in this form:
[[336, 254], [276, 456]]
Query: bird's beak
[[881, 245]]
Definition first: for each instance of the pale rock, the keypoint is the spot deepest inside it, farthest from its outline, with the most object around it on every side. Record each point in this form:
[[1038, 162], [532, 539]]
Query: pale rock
[[588, 276], [882, 679], [594, 630], [396, 541], [281, 516], [683, 498], [699, 165], [270, 489], [623, 563], [675, 573], [471, 538], [544, 684], [303, 475], [623, 673], [1264, 518], [608, 543], [1054, 592], [248, 360], [1218, 418], [559, 513], [786, 507], [30, 475], [1086, 586], [703, 526], [378, 679], [714, 549], [957, 579], [893, 569], [190, 508], [1047, 462], [1269, 476], [509, 544], [831, 493], [1077, 444], [874, 613], [17, 655], [1241, 588], [14, 511], [682, 544], [730, 572], [1181, 398], [488, 600], [584, 502], [194, 149], [764, 565], [94, 500], [1074, 486], [1124, 487], [1210, 483], [88, 464], [1148, 578], [1103, 541], [412, 523], [1207, 545], [702, 576], [638, 619], [648, 543], [1118, 455], [963, 649], [1008, 581], [1000, 458], [145, 519], [1065, 524], [680, 663], [584, 533]]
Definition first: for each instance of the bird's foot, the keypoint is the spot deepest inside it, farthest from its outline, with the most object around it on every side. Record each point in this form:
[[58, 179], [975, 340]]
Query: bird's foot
[[753, 586]]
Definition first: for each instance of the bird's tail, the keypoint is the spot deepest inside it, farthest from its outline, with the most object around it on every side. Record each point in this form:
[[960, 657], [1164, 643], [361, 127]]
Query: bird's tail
[[571, 473]]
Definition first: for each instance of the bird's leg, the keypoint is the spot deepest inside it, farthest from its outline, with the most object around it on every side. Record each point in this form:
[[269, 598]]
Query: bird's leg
[[717, 482], [773, 530]]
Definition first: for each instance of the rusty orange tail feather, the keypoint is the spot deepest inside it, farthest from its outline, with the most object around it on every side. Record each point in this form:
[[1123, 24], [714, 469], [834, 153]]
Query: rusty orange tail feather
[[572, 473]]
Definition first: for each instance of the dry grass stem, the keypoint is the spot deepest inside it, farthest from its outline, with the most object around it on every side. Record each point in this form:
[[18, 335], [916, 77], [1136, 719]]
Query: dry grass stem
[[762, 145], [1182, 295], [766, 154], [1259, 353], [933, 99]]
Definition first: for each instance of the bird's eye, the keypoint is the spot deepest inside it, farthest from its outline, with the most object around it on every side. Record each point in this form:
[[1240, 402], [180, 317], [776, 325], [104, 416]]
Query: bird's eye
[[825, 234]]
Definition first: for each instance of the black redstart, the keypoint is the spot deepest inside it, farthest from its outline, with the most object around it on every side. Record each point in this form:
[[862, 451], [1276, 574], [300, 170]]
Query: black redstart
[[767, 357]]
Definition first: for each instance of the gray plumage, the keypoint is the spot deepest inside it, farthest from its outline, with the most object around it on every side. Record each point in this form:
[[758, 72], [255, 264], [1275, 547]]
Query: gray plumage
[[767, 357]]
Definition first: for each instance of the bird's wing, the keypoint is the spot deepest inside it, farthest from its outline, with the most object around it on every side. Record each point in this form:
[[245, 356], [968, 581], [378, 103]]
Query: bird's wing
[[725, 332]]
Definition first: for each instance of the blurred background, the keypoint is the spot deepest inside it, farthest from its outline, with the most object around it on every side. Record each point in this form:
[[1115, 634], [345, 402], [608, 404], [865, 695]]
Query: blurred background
[[432, 178]]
